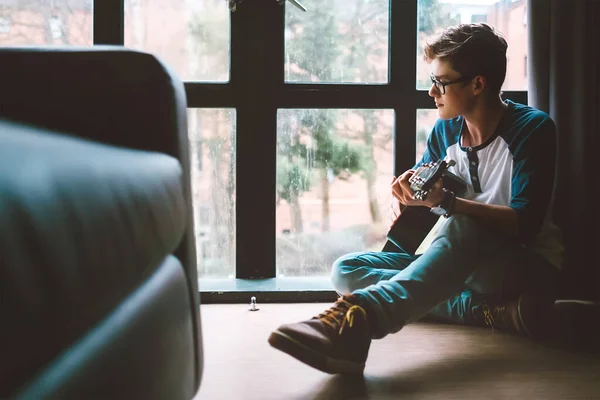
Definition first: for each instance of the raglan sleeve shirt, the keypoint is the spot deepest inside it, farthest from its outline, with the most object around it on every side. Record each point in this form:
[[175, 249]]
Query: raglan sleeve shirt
[[515, 167], [534, 163]]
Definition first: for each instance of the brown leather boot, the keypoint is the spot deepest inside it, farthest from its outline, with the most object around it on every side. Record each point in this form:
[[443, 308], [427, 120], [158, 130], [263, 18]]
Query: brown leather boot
[[336, 341], [532, 316]]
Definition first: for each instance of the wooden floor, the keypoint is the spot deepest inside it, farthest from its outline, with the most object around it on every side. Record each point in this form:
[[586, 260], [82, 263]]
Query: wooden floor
[[422, 361]]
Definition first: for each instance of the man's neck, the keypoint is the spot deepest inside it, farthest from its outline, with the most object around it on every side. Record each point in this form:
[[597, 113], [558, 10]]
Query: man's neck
[[483, 120]]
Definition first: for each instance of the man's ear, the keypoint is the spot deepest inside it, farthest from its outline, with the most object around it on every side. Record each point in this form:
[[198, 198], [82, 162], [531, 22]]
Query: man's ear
[[479, 83]]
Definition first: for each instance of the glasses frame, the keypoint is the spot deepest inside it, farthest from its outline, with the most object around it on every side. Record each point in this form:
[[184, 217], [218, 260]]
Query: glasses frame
[[441, 86]]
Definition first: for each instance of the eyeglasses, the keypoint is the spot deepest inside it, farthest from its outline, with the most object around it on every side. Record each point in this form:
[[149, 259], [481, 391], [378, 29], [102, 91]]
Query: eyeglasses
[[441, 86]]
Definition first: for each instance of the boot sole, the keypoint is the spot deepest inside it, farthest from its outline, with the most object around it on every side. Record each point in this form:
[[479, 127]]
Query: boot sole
[[299, 351]]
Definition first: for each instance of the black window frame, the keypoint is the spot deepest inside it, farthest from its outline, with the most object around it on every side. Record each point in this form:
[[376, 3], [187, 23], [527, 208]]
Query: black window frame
[[256, 90]]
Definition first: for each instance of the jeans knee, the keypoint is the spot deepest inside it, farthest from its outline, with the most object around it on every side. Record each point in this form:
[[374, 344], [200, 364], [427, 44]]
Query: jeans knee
[[340, 272]]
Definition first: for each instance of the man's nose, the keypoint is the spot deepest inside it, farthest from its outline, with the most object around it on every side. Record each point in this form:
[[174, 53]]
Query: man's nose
[[433, 91]]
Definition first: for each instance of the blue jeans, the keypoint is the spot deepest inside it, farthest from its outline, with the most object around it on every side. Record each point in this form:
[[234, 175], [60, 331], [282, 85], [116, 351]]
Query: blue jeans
[[465, 266]]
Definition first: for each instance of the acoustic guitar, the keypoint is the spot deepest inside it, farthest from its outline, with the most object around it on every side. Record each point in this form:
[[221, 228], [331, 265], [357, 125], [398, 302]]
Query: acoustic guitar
[[415, 225]]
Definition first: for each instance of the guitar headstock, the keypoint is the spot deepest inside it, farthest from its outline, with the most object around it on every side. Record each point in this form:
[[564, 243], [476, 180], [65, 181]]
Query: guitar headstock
[[426, 175]]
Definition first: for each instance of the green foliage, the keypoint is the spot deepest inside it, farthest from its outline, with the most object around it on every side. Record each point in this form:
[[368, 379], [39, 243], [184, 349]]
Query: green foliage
[[329, 150], [315, 49], [346, 159], [319, 52], [293, 179]]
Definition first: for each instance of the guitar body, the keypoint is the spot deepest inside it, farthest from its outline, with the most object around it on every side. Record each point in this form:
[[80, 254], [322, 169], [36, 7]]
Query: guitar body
[[410, 229], [414, 223]]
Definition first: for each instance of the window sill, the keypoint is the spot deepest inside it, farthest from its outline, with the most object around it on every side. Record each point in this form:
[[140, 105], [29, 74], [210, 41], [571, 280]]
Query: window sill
[[272, 290]]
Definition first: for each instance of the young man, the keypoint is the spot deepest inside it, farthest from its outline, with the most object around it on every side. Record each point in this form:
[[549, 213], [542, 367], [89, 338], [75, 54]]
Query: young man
[[497, 245]]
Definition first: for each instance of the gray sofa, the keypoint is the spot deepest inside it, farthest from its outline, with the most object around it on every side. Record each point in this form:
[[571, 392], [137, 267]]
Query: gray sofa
[[98, 285]]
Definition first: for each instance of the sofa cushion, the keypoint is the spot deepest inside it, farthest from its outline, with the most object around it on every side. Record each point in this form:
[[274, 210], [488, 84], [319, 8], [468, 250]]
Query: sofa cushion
[[140, 351], [82, 224]]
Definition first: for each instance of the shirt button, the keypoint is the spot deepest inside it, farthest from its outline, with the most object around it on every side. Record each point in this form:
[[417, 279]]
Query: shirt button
[[473, 163], [469, 148], [474, 178]]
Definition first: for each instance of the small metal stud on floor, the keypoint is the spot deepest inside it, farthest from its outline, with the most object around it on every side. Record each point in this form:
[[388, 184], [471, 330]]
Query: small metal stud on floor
[[253, 306]]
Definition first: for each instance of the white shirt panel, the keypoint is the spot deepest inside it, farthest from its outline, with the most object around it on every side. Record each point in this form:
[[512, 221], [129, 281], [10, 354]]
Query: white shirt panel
[[494, 177]]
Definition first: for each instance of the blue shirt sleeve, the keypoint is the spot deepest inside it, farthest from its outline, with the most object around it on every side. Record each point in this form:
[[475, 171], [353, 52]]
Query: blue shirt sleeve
[[534, 164]]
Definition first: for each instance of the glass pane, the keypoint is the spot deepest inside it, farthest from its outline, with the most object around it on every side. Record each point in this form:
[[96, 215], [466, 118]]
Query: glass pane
[[508, 17], [425, 121], [43, 22], [334, 169], [212, 144], [193, 37], [337, 41]]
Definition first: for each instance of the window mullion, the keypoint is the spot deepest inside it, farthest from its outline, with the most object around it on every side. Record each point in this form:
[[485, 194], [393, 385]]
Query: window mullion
[[255, 28], [403, 44], [403, 79], [109, 22]]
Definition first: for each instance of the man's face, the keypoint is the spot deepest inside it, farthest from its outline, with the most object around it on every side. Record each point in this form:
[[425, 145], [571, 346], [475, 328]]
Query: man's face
[[457, 99]]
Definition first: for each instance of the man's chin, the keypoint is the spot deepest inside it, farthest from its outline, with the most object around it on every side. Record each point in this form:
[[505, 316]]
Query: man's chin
[[445, 114]]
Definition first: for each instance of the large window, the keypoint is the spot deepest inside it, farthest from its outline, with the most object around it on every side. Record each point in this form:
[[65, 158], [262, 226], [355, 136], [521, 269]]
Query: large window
[[333, 176], [297, 120]]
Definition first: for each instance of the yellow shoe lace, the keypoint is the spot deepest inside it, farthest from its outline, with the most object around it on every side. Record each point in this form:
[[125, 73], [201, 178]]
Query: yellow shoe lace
[[491, 316], [340, 315]]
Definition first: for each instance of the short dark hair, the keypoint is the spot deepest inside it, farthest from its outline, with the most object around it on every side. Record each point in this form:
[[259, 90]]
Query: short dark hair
[[472, 49]]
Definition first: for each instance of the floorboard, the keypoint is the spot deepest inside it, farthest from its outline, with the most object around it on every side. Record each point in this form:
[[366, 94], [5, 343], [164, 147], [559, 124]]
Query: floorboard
[[422, 361]]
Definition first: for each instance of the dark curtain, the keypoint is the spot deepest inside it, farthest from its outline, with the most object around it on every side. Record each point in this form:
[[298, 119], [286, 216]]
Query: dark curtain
[[564, 81], [593, 127]]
